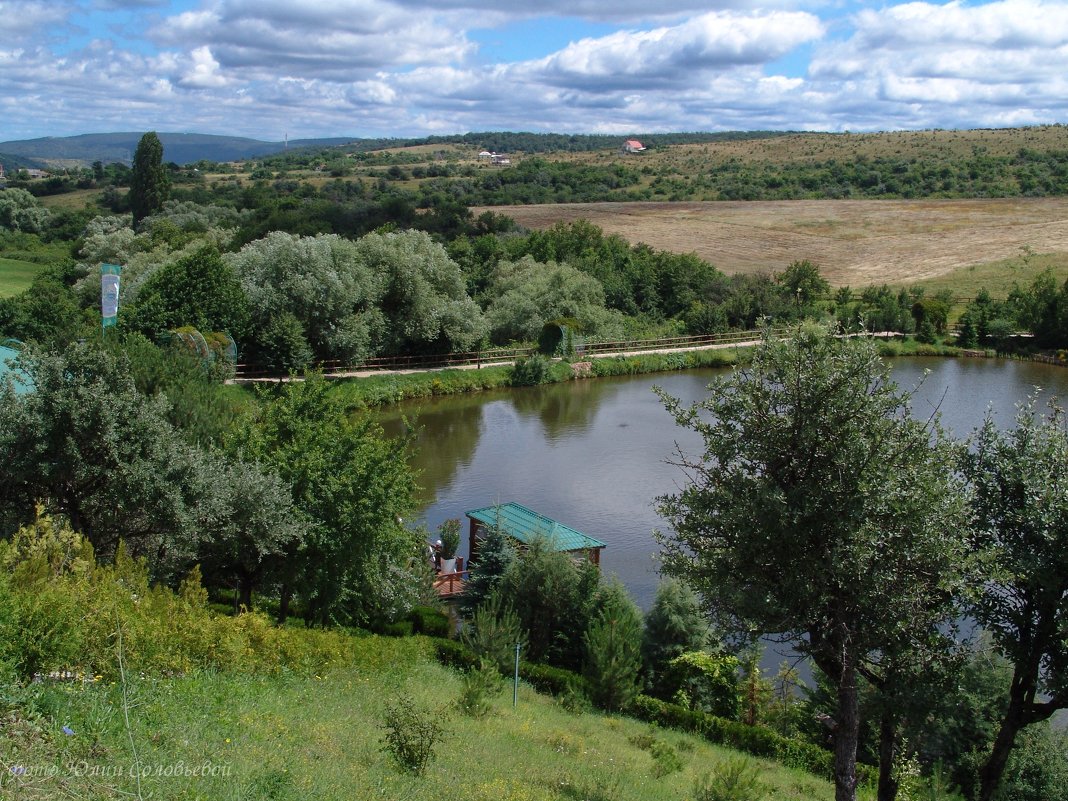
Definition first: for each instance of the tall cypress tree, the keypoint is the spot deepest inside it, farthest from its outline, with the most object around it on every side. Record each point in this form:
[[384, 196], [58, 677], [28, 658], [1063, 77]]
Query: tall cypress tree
[[149, 184]]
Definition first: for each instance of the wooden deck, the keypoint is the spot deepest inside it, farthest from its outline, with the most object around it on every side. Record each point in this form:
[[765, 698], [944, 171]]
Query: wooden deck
[[449, 585]]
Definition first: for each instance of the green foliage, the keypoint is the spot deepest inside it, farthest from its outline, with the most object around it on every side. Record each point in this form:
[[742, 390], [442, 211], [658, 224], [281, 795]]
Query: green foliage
[[731, 780], [358, 562], [21, 211], [531, 371], [94, 448], [149, 180], [61, 609], [666, 759], [811, 451], [411, 734], [309, 297], [674, 625], [495, 554], [493, 632], [553, 597], [449, 534], [1020, 529], [198, 290], [424, 302], [526, 294], [479, 688], [612, 664], [708, 682], [430, 620]]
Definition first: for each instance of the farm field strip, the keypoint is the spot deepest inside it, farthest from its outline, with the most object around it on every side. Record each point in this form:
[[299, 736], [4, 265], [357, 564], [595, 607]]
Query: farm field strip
[[855, 242]]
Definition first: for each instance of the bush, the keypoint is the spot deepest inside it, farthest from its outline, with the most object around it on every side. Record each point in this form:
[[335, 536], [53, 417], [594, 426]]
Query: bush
[[531, 371], [456, 655], [479, 686], [708, 682], [411, 734], [493, 633], [755, 740], [430, 621], [666, 759], [554, 681], [732, 780]]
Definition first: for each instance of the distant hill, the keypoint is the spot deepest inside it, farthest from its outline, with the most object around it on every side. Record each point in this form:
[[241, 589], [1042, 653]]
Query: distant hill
[[181, 148]]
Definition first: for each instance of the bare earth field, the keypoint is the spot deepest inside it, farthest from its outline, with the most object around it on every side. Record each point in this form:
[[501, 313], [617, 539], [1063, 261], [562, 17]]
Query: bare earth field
[[854, 242]]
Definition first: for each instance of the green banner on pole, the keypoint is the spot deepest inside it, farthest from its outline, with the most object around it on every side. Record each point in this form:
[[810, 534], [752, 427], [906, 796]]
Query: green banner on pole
[[109, 293]]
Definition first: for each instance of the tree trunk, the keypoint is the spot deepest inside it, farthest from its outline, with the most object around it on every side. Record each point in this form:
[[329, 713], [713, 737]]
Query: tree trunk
[[888, 785], [245, 591], [846, 734], [283, 603], [990, 774]]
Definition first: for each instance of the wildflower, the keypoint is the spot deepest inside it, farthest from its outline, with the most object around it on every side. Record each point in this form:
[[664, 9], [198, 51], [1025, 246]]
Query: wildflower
[[18, 770], [67, 730], [227, 739]]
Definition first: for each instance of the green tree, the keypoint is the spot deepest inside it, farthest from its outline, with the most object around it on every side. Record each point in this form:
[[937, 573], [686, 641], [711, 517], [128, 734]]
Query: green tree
[[149, 181], [90, 446], [495, 556], [310, 297], [674, 625], [553, 596], [819, 511], [1020, 525], [613, 662], [21, 211], [198, 290], [357, 561], [424, 300]]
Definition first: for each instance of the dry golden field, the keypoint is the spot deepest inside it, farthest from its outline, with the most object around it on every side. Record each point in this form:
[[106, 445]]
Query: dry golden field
[[855, 242]]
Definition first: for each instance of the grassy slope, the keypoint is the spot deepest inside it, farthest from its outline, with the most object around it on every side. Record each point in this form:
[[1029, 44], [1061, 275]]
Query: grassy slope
[[319, 737], [16, 275]]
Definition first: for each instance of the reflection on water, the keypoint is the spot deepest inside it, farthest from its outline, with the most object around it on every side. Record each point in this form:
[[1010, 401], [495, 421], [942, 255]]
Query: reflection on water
[[595, 454]]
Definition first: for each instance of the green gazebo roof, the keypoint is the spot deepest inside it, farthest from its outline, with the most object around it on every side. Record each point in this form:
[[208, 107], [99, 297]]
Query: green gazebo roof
[[22, 382], [525, 525]]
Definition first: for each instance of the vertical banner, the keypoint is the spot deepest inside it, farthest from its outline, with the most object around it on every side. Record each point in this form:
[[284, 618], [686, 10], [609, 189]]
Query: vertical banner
[[109, 293]]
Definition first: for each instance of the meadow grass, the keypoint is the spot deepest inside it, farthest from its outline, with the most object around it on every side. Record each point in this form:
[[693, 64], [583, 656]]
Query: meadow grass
[[299, 737], [16, 276]]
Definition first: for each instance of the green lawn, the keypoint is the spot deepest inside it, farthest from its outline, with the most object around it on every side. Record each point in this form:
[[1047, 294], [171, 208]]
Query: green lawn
[[16, 276], [302, 737]]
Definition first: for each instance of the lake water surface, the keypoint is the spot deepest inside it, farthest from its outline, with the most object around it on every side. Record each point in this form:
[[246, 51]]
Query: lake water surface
[[596, 454]]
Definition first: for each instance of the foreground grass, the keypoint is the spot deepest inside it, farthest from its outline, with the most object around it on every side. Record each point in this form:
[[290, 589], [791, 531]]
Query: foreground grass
[[16, 276], [291, 737]]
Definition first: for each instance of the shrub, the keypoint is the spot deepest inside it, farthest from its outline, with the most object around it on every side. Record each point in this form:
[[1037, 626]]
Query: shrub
[[709, 682], [531, 371], [411, 734], [554, 681], [731, 780], [613, 650], [666, 759], [480, 685], [493, 633], [456, 655], [430, 621]]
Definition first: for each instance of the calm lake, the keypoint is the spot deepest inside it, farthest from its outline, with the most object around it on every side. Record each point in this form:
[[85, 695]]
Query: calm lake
[[596, 454]]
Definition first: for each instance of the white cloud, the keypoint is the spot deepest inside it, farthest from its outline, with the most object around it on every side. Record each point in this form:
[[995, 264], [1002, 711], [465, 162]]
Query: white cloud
[[678, 55]]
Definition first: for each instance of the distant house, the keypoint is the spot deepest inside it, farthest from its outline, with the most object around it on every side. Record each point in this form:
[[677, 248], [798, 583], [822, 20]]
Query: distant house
[[485, 154], [500, 160], [632, 146]]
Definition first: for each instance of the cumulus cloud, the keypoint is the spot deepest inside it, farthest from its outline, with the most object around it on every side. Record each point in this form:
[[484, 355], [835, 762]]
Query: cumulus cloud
[[329, 41], [410, 67], [677, 55]]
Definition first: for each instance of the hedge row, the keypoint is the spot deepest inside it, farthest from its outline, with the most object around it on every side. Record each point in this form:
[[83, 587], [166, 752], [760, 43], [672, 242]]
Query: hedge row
[[543, 678], [755, 740]]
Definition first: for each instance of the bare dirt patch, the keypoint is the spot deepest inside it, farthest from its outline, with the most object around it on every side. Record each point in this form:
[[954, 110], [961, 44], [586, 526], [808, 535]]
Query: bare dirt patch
[[855, 242]]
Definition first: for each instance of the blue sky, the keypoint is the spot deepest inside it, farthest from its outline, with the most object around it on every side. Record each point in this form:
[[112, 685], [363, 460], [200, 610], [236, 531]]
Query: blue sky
[[310, 68]]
